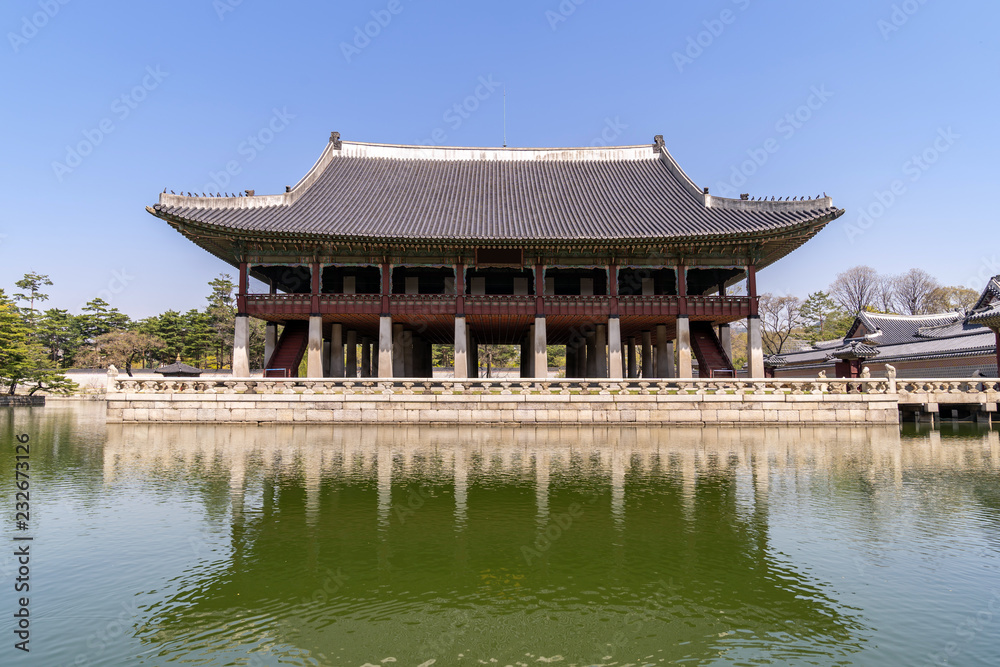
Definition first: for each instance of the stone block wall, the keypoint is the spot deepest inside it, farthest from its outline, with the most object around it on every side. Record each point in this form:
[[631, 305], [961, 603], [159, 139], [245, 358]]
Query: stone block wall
[[509, 409]]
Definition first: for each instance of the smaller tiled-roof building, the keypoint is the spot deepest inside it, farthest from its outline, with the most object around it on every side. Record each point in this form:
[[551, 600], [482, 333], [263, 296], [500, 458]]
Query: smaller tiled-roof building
[[956, 344]]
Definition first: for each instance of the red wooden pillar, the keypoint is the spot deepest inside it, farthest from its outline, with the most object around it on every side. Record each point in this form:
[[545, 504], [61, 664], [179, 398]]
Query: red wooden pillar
[[539, 290], [460, 289], [386, 287], [315, 270], [241, 292], [682, 289], [613, 287]]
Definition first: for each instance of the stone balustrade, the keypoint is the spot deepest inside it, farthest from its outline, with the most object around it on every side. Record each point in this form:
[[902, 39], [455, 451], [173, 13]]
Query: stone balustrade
[[506, 401], [501, 386]]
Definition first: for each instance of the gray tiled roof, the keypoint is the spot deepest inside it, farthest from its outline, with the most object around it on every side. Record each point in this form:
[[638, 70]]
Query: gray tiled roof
[[983, 342], [365, 191], [855, 350], [899, 328]]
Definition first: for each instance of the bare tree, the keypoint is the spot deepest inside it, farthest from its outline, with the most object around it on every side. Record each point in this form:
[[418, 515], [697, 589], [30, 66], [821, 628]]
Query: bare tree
[[856, 289], [779, 317], [913, 291], [886, 293]]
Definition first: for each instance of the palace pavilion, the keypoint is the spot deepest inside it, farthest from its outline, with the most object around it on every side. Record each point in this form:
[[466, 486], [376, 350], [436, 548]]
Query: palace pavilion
[[382, 251]]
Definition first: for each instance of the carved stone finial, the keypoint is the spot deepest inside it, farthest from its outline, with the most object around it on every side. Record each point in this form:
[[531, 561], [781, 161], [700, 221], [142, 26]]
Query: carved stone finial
[[658, 142], [890, 371], [112, 371], [866, 372], [822, 375], [335, 140]]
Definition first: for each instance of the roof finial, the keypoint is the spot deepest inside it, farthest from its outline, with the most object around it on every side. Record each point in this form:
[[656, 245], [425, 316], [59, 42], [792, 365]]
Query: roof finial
[[335, 140], [658, 144]]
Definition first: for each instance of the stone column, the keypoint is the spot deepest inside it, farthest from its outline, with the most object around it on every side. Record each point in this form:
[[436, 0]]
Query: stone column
[[314, 360], [366, 357], [647, 354], [726, 338], [602, 351], [684, 369], [524, 369], [407, 341], [530, 349], [614, 348], [270, 341], [337, 350], [662, 369], [473, 357], [351, 368], [591, 354], [755, 348], [241, 347], [397, 351], [461, 349], [570, 360], [633, 369], [541, 361]]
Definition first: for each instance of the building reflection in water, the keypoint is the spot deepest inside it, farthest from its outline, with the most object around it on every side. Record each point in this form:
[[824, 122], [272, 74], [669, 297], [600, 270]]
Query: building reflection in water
[[362, 544]]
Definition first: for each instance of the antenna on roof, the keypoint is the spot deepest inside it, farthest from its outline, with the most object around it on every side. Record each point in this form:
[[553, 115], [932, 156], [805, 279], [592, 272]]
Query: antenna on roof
[[505, 116]]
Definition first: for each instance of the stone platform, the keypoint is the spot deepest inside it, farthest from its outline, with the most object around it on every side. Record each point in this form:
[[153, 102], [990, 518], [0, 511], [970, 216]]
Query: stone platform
[[506, 402]]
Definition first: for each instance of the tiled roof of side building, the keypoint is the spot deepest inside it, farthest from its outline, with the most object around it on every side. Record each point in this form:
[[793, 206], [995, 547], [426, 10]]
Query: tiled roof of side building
[[365, 191], [898, 328]]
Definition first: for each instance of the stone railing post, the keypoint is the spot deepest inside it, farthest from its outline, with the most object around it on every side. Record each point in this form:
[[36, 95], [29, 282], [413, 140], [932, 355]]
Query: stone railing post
[[112, 380]]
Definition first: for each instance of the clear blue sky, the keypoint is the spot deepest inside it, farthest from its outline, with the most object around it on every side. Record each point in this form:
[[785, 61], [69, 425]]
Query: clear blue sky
[[200, 76]]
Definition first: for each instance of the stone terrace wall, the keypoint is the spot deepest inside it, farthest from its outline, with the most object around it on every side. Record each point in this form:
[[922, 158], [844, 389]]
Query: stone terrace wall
[[21, 401], [691, 402]]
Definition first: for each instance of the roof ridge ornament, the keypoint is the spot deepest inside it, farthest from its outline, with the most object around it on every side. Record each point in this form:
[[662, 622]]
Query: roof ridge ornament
[[658, 144], [335, 140]]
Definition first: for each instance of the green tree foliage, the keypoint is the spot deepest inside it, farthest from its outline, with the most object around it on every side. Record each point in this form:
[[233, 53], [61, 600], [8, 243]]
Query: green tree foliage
[[494, 357], [24, 360], [121, 348], [57, 332], [950, 299], [32, 284], [99, 318], [222, 315], [823, 318], [443, 356]]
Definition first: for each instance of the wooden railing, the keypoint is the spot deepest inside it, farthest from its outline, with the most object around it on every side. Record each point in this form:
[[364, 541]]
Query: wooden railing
[[496, 304]]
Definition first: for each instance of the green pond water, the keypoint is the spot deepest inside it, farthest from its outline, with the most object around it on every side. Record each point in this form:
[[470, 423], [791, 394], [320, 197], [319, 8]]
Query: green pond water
[[326, 545]]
